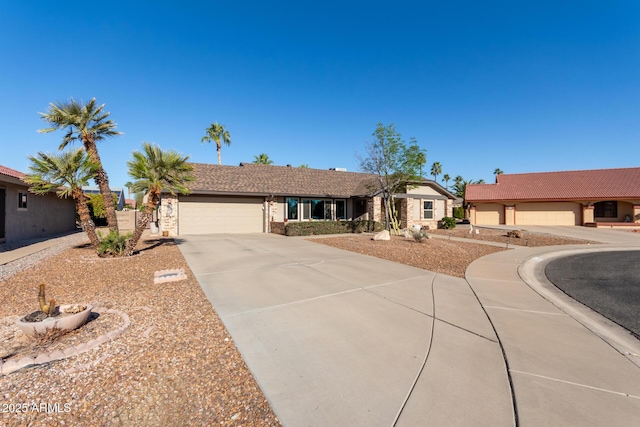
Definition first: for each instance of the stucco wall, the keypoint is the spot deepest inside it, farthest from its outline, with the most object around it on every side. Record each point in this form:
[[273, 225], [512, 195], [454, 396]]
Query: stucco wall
[[44, 216]]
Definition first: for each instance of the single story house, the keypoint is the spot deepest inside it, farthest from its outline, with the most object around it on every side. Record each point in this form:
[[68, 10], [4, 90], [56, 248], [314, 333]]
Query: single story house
[[603, 197], [250, 198], [24, 215]]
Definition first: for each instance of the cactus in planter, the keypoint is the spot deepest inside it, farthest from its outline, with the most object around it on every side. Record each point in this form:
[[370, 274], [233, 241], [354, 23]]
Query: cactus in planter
[[46, 309]]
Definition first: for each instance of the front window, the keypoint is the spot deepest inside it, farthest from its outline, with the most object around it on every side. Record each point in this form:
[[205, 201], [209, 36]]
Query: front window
[[607, 209], [341, 209], [22, 200], [292, 209], [427, 207], [316, 209]]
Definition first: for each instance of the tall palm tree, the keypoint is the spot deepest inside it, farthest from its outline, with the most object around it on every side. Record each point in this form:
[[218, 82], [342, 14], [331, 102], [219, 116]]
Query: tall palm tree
[[88, 124], [436, 169], [262, 159], [421, 160], [153, 171], [445, 179], [65, 174], [218, 134], [498, 171]]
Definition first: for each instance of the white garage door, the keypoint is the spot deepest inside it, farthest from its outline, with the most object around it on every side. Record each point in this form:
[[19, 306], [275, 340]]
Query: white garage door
[[213, 215], [552, 213], [489, 214]]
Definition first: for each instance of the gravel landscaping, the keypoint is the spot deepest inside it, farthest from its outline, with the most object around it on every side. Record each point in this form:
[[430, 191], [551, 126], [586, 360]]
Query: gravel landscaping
[[173, 363], [156, 353], [451, 257]]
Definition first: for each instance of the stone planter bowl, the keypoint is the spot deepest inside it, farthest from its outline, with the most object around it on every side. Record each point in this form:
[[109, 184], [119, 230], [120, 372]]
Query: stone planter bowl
[[67, 323]]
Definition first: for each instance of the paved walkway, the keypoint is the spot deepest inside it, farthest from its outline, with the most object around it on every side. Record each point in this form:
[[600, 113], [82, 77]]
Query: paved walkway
[[336, 338]]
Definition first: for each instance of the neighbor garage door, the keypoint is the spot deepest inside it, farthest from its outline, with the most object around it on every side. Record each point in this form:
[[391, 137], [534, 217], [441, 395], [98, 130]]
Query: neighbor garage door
[[489, 214], [552, 213], [212, 215]]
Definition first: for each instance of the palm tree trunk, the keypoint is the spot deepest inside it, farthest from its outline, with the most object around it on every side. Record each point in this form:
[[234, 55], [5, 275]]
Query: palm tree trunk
[[85, 218], [219, 157], [142, 224], [102, 180]]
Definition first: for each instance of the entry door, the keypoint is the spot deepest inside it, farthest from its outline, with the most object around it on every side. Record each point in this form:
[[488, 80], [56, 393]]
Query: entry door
[[3, 194]]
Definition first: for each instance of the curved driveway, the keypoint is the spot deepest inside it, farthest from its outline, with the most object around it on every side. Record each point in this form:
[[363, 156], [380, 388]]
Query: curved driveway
[[336, 338]]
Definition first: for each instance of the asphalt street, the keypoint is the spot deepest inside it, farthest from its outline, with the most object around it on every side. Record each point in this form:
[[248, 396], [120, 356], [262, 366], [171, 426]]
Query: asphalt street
[[607, 282]]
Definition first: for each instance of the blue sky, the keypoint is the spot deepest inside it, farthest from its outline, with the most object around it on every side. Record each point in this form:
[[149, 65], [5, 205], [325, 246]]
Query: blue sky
[[521, 86]]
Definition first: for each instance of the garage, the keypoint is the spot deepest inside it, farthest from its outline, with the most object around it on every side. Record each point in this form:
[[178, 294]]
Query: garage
[[548, 213], [215, 215], [489, 214]]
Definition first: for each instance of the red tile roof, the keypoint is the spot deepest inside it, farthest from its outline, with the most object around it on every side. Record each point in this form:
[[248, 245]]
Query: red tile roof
[[10, 172], [264, 180], [600, 184]]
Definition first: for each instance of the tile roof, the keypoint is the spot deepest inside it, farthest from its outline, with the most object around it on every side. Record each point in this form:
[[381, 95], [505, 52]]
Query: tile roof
[[599, 184], [10, 172], [264, 180]]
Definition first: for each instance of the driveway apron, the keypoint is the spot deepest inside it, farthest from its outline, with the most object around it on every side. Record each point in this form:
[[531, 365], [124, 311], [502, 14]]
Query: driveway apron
[[336, 338]]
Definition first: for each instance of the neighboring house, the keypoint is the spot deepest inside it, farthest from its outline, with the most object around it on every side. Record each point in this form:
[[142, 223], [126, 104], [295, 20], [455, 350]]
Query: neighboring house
[[250, 197], [119, 192], [24, 215], [603, 197]]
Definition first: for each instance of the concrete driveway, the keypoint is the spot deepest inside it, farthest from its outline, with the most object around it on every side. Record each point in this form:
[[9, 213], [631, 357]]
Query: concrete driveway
[[336, 338]]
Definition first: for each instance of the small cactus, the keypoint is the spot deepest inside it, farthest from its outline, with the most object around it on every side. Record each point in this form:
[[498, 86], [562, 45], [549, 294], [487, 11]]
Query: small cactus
[[46, 309]]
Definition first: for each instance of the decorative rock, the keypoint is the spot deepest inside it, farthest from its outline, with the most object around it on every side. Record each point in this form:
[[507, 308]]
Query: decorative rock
[[383, 235], [515, 234], [42, 358], [70, 351], [57, 355], [101, 339], [25, 361]]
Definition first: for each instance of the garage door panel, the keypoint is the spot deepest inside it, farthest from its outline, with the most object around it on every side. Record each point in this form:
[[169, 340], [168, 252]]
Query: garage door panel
[[489, 214], [213, 215], [548, 213]]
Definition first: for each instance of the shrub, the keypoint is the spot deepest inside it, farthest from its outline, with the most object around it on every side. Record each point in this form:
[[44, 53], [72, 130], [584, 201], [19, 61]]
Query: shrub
[[420, 235], [448, 222], [113, 244], [458, 212], [330, 227]]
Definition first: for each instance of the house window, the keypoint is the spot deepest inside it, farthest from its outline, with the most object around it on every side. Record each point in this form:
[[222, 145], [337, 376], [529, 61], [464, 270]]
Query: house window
[[316, 209], [607, 209], [22, 200], [427, 207], [292, 209], [341, 209]]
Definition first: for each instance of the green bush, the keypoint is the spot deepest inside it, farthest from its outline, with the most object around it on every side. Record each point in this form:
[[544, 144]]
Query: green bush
[[448, 222], [330, 227], [113, 244], [458, 212]]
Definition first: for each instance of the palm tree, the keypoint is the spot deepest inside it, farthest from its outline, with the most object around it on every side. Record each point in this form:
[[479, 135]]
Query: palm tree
[[88, 124], [65, 174], [457, 180], [128, 184], [218, 134], [446, 179], [304, 166], [153, 171], [498, 171], [421, 160], [262, 159], [436, 169]]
